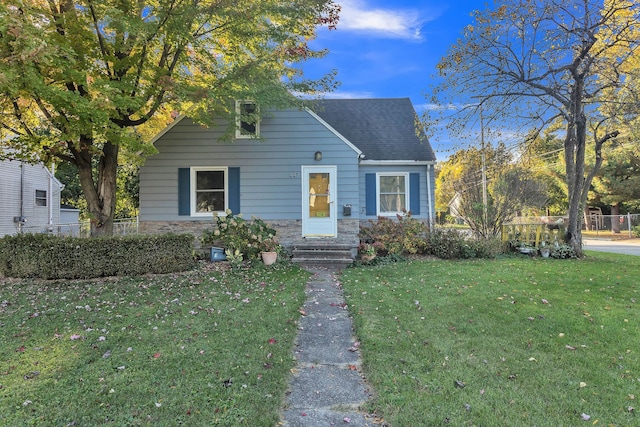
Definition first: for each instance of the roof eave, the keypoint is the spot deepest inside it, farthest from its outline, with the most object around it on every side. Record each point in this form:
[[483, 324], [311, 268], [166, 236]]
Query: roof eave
[[398, 162]]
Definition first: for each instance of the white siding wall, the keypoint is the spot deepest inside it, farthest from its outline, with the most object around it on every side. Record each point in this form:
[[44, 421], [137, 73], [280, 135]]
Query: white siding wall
[[18, 187], [270, 171]]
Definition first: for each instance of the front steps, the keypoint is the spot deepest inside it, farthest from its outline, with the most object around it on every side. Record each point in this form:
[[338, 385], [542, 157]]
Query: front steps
[[323, 252]]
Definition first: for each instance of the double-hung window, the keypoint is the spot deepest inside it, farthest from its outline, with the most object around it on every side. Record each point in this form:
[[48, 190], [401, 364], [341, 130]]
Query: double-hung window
[[209, 188], [247, 119], [393, 193], [41, 198]]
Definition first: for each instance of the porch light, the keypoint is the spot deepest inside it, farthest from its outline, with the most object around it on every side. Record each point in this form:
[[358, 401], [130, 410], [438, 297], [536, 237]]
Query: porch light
[[317, 156]]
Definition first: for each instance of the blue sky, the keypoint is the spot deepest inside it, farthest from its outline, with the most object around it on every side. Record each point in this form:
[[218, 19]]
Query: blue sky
[[389, 49]]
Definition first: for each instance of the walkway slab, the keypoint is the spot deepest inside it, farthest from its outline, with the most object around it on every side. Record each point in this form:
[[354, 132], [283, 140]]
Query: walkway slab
[[327, 388]]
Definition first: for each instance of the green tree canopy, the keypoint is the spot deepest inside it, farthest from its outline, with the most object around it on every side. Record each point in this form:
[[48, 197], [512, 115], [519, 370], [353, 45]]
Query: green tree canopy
[[82, 80]]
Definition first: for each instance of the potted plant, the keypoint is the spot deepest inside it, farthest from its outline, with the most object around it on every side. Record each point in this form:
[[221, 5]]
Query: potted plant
[[269, 249], [367, 251], [545, 249]]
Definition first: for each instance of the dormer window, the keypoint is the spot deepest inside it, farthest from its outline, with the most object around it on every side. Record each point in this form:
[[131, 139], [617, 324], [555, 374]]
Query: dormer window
[[247, 119]]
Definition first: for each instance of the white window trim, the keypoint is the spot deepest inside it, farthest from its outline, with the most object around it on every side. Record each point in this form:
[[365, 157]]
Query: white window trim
[[239, 134], [45, 198], [406, 192], [193, 187]]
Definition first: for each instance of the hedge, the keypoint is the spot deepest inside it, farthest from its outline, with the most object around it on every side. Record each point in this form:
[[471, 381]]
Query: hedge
[[49, 257]]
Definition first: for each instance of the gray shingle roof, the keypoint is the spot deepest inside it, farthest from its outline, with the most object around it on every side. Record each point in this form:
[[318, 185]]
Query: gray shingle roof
[[382, 128]]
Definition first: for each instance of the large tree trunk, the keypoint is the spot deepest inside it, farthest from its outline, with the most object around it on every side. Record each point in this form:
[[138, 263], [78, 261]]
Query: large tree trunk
[[615, 218], [574, 163], [100, 193]]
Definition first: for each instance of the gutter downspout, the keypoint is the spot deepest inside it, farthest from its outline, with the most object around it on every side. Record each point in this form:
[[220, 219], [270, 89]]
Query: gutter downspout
[[429, 201], [50, 195]]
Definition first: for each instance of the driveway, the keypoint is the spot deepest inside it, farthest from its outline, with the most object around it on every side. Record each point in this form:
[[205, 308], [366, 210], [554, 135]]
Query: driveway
[[628, 247]]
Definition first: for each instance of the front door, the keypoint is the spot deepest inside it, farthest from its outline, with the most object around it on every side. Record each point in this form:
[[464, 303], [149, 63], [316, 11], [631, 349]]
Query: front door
[[319, 195]]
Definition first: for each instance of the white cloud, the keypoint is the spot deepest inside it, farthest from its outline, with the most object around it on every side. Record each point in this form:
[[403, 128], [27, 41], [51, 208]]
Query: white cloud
[[356, 15], [349, 95]]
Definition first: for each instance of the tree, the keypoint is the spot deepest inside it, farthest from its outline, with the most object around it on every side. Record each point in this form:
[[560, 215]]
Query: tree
[[82, 80], [533, 62], [511, 188], [541, 155], [618, 181]]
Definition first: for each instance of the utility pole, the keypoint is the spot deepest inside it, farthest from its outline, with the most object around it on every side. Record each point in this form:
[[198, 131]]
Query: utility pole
[[484, 171]]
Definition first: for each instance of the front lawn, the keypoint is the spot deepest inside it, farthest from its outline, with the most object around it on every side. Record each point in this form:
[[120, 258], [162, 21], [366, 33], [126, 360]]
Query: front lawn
[[517, 341], [207, 347]]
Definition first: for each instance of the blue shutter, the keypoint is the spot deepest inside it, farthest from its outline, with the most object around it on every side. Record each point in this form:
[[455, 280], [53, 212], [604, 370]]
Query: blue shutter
[[371, 199], [414, 193], [234, 190], [184, 190]]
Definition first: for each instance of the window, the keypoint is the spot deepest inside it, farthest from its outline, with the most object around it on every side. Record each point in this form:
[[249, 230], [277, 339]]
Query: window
[[393, 194], [209, 190], [247, 119], [41, 198]]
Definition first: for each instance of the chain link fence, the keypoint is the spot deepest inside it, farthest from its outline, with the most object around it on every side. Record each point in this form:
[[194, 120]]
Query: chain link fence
[[121, 227]]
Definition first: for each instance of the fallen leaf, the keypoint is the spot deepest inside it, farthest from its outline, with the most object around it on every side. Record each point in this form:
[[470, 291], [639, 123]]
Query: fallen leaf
[[156, 355], [570, 347], [272, 341], [583, 384], [346, 419], [585, 417], [544, 301], [74, 337], [459, 384]]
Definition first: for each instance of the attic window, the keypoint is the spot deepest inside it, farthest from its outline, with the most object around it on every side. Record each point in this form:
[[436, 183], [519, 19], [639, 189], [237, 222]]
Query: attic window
[[41, 198], [247, 119]]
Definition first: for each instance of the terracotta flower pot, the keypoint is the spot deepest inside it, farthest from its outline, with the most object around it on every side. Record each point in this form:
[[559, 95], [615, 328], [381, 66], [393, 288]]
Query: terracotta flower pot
[[269, 258]]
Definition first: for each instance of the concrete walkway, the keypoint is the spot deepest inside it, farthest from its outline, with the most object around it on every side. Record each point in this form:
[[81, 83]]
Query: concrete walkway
[[327, 388]]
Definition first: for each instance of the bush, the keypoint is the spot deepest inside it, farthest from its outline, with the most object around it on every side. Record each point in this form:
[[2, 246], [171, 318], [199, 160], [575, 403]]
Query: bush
[[636, 231], [50, 257], [563, 252], [238, 235], [395, 237], [451, 244]]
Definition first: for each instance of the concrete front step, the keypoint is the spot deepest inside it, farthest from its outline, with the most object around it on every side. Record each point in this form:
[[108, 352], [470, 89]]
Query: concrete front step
[[323, 253]]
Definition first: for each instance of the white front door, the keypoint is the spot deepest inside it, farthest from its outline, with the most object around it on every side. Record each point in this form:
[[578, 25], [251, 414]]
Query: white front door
[[319, 195]]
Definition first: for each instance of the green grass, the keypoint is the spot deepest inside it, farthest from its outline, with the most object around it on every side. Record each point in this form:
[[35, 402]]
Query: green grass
[[530, 341], [207, 347]]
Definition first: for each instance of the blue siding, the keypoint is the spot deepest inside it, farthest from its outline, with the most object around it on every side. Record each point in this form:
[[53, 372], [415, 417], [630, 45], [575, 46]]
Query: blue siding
[[269, 170], [418, 187]]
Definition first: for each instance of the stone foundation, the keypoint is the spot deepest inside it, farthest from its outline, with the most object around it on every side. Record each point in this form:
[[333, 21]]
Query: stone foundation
[[289, 232]]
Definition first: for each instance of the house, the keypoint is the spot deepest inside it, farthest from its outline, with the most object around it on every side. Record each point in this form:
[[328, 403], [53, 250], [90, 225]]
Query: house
[[316, 173], [29, 198]]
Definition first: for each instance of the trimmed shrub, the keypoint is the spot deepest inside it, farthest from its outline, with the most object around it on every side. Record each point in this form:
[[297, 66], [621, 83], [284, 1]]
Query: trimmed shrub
[[50, 257]]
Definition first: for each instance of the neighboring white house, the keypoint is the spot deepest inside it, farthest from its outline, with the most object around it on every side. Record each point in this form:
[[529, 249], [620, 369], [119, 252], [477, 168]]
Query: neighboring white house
[[29, 198]]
